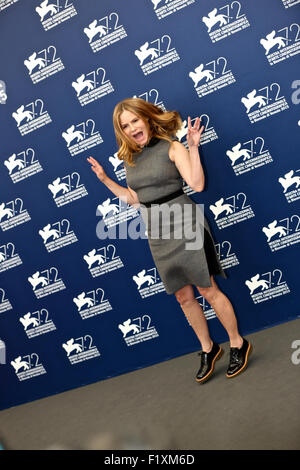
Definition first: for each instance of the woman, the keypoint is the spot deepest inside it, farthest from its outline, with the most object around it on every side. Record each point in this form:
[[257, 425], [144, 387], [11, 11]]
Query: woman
[[155, 163]]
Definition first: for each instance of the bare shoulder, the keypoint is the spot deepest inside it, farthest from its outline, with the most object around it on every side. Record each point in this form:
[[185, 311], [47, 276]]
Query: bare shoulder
[[175, 147]]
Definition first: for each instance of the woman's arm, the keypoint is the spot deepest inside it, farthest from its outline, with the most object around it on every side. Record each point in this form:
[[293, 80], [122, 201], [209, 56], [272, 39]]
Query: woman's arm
[[125, 194], [197, 169], [192, 162], [188, 164], [188, 161]]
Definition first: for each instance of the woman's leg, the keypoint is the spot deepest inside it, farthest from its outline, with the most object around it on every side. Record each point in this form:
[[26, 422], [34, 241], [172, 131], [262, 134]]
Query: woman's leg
[[224, 311], [194, 315], [211, 351]]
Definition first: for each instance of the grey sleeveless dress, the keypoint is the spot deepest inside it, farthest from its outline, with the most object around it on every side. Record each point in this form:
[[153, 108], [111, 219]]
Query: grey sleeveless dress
[[155, 176]]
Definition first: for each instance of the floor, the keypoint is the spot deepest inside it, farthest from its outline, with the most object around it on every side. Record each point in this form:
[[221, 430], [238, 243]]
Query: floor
[[163, 407]]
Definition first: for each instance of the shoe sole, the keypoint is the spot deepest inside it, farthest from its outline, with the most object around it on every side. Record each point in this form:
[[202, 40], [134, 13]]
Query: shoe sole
[[216, 358], [248, 352]]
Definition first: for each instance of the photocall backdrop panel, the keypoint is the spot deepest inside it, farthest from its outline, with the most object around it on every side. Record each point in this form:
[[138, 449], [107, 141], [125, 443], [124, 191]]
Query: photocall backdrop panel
[[76, 307]]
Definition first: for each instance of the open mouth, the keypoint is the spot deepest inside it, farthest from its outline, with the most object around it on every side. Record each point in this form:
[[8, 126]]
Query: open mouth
[[138, 135]]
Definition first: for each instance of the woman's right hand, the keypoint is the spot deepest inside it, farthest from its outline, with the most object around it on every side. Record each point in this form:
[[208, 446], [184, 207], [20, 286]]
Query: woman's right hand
[[97, 168]]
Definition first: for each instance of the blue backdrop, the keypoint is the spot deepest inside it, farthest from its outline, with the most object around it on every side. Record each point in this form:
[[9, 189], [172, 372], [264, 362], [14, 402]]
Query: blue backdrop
[[75, 308]]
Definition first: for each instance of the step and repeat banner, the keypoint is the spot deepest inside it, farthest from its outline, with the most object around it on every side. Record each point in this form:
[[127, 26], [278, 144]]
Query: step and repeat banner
[[77, 304]]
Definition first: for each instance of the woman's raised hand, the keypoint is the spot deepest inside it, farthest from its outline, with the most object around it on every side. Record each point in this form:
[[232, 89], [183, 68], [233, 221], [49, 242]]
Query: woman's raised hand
[[194, 133], [97, 168]]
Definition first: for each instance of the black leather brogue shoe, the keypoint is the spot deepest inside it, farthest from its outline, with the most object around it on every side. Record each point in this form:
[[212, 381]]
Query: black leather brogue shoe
[[208, 362], [238, 359]]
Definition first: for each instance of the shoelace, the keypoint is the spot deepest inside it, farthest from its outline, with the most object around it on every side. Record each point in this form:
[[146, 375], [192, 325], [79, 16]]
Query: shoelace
[[203, 357], [234, 354]]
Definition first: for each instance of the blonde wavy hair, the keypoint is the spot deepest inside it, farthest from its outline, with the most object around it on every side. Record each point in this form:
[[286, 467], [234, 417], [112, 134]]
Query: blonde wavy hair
[[162, 124]]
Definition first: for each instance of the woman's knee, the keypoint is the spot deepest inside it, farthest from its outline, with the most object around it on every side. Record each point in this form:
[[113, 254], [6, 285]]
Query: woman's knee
[[209, 293], [185, 294]]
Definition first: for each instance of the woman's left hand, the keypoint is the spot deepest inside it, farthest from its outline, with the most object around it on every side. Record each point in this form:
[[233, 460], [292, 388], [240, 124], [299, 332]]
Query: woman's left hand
[[194, 133]]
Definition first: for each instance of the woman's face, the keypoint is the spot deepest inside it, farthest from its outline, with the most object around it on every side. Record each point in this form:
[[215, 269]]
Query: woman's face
[[135, 127]]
